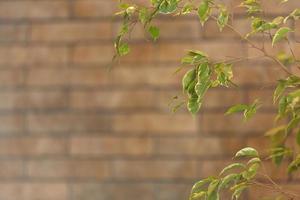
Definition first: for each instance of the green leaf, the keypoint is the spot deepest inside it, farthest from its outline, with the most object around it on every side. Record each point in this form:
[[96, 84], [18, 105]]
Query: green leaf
[[253, 161], [154, 32], [224, 74], [198, 196], [236, 109], [280, 34], [188, 78], [247, 152], [203, 80], [232, 166], [187, 8], [238, 189], [168, 6], [213, 190], [204, 11], [194, 57], [193, 104], [293, 123], [144, 15], [251, 172], [228, 179], [198, 187], [298, 137], [123, 49], [223, 19], [294, 166]]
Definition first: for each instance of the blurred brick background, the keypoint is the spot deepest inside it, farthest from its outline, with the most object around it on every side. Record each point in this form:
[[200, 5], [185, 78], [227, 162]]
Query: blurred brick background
[[72, 131]]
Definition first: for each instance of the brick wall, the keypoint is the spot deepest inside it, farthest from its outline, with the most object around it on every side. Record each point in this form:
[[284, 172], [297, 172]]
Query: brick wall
[[71, 131]]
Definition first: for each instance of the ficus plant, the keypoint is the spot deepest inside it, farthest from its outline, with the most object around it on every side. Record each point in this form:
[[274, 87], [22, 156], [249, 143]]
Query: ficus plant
[[204, 72]]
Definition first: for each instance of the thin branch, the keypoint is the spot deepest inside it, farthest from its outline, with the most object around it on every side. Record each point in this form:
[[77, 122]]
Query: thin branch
[[257, 47]]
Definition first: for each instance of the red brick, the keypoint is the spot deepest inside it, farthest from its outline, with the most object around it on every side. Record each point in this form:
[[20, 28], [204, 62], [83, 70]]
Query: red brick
[[154, 169], [155, 123], [111, 146], [32, 146], [69, 169], [71, 31], [34, 191], [32, 9]]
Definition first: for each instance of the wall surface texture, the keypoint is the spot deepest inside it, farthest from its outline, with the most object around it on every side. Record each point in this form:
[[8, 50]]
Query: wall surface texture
[[69, 130]]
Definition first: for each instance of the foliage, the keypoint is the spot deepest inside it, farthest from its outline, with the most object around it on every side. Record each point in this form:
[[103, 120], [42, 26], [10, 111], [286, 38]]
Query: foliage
[[205, 73]]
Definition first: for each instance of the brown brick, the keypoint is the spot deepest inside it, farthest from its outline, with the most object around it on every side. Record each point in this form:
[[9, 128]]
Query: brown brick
[[11, 77], [32, 146], [34, 191], [223, 98], [89, 77], [11, 123], [111, 146], [47, 77], [176, 28], [111, 99], [32, 9], [11, 100], [154, 169], [265, 96], [215, 50], [55, 122], [91, 8], [157, 75], [233, 123], [67, 122], [22, 55], [46, 99], [11, 33], [276, 9], [200, 146], [141, 53], [90, 122], [174, 191], [261, 75], [11, 169], [155, 123], [69, 169], [71, 31], [94, 191], [211, 29], [92, 54]]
